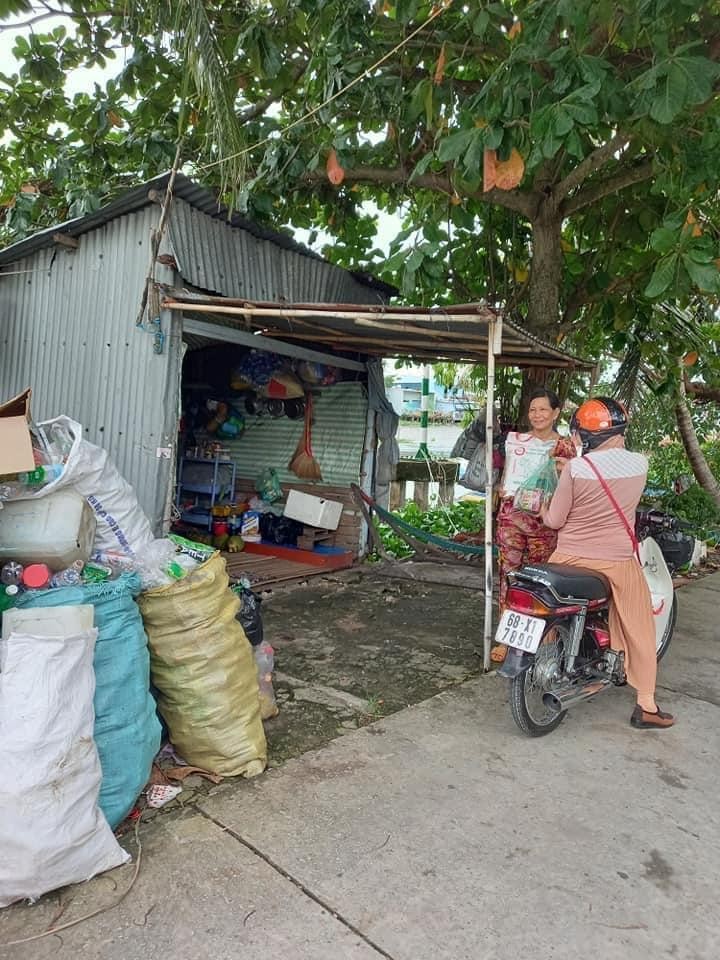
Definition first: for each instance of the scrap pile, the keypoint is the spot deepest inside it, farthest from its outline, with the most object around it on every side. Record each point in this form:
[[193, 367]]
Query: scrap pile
[[94, 609]]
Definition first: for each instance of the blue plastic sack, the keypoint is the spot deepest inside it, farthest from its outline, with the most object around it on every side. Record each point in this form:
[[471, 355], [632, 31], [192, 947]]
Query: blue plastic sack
[[127, 728]]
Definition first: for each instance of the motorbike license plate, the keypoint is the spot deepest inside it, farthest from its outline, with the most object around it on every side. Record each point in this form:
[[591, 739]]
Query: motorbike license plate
[[520, 631]]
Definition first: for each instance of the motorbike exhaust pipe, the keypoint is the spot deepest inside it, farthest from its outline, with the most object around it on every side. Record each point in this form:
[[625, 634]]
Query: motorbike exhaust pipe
[[572, 693]]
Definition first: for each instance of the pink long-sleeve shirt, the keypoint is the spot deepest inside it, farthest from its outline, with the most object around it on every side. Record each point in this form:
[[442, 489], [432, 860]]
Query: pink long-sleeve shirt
[[587, 523]]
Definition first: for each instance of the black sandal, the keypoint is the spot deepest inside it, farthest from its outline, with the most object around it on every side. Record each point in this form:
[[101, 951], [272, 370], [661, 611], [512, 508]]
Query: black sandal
[[645, 720]]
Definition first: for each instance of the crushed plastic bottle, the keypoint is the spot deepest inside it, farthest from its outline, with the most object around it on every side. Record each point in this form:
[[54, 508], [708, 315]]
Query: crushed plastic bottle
[[265, 663], [69, 577]]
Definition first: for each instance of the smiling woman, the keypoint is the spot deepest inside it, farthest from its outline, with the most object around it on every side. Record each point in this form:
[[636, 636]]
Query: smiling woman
[[521, 536]]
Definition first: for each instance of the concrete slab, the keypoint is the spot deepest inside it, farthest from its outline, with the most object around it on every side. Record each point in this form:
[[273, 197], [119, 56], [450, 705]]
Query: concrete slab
[[199, 893], [441, 832]]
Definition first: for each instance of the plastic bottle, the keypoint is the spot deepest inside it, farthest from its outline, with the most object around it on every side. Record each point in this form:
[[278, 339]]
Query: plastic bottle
[[61, 441], [68, 577], [11, 573], [41, 475], [265, 662]]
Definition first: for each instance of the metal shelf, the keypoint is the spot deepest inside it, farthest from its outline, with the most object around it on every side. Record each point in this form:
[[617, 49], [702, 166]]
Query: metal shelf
[[203, 515]]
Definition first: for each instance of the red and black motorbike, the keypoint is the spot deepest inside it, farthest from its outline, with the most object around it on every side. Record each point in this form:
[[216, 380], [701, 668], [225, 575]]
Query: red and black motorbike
[[555, 625]]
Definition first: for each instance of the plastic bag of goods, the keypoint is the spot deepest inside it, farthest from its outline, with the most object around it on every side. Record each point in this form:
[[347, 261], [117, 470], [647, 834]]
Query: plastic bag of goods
[[536, 492], [268, 485], [52, 831], [265, 664], [203, 669], [249, 616], [121, 522], [127, 729]]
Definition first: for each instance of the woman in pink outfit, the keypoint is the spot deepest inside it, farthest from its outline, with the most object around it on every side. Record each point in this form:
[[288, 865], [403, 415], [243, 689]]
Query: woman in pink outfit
[[593, 510]]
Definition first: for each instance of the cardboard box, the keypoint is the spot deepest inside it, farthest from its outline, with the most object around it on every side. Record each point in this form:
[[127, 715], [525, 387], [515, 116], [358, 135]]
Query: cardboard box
[[314, 511], [16, 452]]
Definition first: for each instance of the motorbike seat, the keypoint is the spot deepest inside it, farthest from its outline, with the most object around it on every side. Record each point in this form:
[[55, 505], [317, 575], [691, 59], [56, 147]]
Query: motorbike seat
[[576, 583]]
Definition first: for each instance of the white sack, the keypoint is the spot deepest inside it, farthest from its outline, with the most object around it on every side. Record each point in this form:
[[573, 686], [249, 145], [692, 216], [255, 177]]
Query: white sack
[[121, 523], [52, 832]]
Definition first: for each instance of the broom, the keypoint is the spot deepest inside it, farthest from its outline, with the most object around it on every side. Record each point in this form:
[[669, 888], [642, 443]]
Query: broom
[[303, 463]]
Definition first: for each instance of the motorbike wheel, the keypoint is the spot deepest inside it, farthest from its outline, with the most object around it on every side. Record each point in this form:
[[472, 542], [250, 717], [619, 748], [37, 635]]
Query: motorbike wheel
[[526, 691], [667, 636]]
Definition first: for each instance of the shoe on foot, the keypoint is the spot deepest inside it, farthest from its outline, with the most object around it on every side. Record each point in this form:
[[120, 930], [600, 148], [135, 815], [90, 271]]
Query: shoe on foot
[[645, 720], [498, 653]]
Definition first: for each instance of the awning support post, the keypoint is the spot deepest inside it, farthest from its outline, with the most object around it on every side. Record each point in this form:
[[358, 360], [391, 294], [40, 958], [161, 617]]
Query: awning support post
[[494, 348], [423, 451]]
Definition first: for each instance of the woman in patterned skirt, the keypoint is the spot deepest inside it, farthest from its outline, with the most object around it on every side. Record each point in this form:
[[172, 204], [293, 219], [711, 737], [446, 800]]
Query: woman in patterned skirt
[[521, 537]]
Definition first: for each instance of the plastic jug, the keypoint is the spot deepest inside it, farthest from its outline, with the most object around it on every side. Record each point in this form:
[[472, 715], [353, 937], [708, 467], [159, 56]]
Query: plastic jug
[[57, 530]]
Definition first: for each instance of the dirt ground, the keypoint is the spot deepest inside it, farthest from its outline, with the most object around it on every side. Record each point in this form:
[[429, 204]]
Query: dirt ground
[[353, 647]]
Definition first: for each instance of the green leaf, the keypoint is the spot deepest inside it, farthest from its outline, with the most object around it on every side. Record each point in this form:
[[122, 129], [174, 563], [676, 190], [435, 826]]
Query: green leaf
[[662, 277], [705, 276], [454, 146], [480, 24], [671, 96], [663, 240], [563, 122]]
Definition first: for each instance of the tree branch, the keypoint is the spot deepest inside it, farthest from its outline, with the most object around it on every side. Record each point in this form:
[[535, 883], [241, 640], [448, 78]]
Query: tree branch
[[440, 183], [590, 164], [702, 392], [258, 108], [596, 191]]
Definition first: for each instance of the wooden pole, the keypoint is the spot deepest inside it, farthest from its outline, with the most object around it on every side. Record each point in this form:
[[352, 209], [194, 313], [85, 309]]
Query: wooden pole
[[494, 348]]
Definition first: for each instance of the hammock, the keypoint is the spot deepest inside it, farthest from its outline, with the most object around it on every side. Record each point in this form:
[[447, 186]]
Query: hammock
[[422, 542]]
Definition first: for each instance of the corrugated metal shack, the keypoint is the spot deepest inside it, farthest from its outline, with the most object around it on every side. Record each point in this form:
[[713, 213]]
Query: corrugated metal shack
[[69, 298]]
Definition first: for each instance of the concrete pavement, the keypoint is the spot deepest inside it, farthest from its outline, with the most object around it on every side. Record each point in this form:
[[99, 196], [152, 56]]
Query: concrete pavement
[[440, 832]]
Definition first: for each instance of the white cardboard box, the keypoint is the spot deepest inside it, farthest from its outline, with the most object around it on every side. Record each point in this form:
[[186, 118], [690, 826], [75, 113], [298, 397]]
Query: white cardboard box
[[314, 511]]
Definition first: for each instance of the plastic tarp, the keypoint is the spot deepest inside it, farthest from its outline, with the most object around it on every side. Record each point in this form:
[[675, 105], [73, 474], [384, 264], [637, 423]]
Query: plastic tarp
[[127, 729], [386, 425], [203, 669]]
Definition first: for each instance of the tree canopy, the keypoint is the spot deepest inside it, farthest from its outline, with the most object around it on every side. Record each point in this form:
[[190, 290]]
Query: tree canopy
[[557, 157]]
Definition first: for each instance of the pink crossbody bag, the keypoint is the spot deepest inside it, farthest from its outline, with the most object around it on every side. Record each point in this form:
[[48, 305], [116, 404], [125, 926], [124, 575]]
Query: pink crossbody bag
[[618, 508]]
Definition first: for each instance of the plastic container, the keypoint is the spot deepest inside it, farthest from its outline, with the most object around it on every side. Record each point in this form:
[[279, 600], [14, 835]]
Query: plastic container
[[48, 621], [57, 530]]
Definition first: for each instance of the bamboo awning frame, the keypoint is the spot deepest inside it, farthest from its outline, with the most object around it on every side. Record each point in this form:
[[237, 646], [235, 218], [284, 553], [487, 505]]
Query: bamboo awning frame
[[468, 332]]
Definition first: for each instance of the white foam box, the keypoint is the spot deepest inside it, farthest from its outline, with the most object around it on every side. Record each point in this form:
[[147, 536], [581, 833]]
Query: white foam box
[[314, 511]]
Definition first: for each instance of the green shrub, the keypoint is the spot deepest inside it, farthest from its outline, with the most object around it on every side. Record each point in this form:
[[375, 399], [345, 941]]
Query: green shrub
[[466, 516]]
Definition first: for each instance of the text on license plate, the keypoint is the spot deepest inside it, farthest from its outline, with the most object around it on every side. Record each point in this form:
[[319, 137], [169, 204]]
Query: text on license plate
[[520, 631]]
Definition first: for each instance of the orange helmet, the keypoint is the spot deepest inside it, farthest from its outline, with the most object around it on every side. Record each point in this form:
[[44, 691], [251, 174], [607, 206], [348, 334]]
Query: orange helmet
[[597, 420]]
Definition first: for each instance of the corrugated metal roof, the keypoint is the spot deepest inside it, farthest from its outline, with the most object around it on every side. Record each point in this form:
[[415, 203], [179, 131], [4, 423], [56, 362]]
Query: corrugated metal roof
[[67, 329], [338, 434], [198, 197], [215, 255]]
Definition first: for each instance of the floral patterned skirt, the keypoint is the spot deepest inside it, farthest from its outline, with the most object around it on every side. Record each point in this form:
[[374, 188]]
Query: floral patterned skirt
[[521, 538]]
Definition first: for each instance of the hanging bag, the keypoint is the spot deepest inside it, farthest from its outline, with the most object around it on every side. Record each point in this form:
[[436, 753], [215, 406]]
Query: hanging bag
[[535, 492]]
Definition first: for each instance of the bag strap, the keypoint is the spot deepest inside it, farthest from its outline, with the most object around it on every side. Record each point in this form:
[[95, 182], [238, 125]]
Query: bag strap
[[618, 509]]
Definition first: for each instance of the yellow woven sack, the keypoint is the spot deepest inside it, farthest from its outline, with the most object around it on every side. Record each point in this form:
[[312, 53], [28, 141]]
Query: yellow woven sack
[[204, 670]]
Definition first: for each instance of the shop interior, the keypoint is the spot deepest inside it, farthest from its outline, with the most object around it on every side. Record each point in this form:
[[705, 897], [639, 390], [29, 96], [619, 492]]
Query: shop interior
[[267, 448]]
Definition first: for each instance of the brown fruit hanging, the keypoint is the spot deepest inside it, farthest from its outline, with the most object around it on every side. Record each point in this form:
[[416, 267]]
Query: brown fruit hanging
[[335, 172]]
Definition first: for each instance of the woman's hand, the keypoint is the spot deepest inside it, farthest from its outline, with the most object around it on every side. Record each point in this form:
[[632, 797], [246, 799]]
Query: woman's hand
[[560, 463]]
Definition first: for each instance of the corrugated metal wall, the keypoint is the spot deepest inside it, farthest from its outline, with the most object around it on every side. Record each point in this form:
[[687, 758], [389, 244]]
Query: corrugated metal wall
[[338, 433], [67, 329], [221, 259]]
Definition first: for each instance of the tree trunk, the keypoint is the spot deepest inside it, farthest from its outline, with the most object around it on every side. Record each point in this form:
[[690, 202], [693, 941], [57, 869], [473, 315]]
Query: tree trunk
[[543, 295], [700, 468], [545, 275]]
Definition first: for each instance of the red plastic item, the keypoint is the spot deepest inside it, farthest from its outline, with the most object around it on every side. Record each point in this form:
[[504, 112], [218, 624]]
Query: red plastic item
[[219, 528], [36, 576]]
